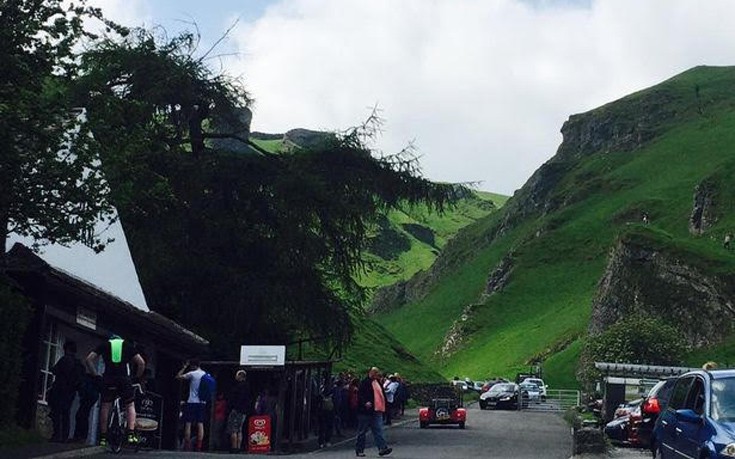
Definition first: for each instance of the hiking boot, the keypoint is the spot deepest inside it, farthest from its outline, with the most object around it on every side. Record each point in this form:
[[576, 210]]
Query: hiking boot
[[385, 452]]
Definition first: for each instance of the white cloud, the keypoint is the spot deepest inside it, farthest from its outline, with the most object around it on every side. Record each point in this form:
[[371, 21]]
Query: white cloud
[[483, 86], [130, 13]]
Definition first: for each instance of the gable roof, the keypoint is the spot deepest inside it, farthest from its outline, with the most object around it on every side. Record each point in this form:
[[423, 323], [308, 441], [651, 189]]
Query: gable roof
[[28, 269]]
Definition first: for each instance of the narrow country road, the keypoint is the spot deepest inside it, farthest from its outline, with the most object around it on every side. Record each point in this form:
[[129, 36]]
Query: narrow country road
[[494, 434]]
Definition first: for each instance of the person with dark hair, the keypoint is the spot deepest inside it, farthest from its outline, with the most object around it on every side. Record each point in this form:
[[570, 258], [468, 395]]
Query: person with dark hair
[[326, 412], [195, 408], [239, 403], [67, 373], [118, 354], [352, 398], [89, 393]]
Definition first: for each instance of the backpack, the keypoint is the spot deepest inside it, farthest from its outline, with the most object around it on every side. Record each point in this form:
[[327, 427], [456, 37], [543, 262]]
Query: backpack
[[327, 403], [207, 388]]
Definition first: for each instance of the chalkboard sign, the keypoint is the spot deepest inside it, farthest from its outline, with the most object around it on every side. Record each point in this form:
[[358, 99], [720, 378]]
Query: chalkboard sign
[[149, 416]]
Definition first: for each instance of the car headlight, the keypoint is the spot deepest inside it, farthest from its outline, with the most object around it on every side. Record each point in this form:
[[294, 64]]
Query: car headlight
[[728, 450], [505, 398]]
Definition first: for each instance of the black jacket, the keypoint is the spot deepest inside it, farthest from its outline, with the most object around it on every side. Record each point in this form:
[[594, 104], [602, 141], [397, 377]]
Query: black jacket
[[365, 394], [239, 399]]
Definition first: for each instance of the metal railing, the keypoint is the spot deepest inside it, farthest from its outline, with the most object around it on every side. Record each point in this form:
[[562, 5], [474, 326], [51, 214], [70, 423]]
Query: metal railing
[[556, 400]]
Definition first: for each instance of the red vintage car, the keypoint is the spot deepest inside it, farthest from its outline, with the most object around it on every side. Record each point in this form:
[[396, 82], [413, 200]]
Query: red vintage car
[[445, 407]]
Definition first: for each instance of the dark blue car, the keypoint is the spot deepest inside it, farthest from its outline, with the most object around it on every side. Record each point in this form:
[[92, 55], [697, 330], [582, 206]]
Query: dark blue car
[[699, 421]]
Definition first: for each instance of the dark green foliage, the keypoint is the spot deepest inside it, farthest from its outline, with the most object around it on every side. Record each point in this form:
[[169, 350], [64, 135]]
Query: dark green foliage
[[240, 247], [388, 244], [16, 313], [46, 191], [637, 339], [421, 232]]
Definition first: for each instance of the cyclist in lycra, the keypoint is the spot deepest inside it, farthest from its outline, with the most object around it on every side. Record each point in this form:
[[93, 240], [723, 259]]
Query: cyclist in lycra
[[117, 354]]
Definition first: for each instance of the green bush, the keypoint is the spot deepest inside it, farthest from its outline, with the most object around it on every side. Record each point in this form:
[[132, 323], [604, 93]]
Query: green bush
[[638, 339], [16, 313]]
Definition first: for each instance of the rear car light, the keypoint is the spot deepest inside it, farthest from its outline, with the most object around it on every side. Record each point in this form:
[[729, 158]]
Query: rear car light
[[652, 406]]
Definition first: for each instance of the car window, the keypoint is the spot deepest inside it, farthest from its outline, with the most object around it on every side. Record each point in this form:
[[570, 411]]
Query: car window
[[679, 394], [501, 388], [654, 390], [695, 398], [664, 394], [723, 400]]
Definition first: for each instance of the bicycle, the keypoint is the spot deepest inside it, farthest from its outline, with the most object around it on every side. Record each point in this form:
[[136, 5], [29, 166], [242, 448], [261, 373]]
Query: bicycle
[[116, 424]]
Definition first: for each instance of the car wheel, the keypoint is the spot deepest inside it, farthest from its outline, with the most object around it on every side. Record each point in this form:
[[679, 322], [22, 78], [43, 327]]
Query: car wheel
[[543, 398], [483, 404], [423, 424], [461, 425]]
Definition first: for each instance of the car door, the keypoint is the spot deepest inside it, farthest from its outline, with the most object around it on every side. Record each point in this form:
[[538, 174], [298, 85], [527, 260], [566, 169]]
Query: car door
[[668, 435], [688, 439]]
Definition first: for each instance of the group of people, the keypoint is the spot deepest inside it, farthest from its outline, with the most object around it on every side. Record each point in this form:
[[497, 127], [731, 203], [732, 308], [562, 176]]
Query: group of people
[[72, 379], [344, 401], [367, 404], [231, 409]]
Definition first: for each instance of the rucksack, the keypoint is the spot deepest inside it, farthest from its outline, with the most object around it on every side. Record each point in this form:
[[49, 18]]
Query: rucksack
[[327, 403], [207, 388]]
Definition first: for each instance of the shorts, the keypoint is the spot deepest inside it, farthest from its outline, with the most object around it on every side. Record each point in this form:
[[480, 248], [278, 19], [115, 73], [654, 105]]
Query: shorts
[[193, 412], [118, 386], [235, 422]]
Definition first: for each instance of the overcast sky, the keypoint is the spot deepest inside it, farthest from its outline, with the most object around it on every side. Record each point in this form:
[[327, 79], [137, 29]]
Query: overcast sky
[[481, 86]]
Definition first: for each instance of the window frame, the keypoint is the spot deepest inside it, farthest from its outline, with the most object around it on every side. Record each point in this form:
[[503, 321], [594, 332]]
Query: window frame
[[681, 382], [52, 351], [697, 389]]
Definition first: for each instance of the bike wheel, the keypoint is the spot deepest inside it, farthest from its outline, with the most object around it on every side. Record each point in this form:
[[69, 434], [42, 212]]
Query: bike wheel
[[115, 432]]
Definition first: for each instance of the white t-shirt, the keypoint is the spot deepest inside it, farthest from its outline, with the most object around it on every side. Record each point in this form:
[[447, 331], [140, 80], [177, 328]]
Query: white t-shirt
[[194, 378], [390, 391]]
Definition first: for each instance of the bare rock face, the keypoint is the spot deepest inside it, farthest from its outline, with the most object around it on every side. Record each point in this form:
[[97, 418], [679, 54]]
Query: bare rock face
[[704, 208], [305, 138], [499, 276], [238, 126], [616, 128], [642, 280], [463, 326], [457, 333]]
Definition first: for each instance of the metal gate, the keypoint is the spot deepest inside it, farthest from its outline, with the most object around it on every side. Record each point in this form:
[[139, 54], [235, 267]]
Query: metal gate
[[556, 400]]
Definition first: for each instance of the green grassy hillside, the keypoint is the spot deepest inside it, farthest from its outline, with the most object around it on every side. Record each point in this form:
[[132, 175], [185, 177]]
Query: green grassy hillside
[[558, 257], [409, 240]]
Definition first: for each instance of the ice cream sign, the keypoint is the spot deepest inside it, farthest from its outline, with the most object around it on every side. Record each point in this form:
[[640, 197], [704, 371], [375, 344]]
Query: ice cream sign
[[259, 434]]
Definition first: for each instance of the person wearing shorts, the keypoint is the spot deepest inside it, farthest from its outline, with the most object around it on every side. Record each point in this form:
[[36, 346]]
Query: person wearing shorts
[[194, 409], [117, 354], [239, 403]]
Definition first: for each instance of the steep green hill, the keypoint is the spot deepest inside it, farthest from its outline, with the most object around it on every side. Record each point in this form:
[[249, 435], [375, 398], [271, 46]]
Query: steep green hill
[[519, 285]]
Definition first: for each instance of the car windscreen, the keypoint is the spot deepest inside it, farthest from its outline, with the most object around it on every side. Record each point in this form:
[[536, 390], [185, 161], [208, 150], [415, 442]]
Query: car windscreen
[[723, 400], [529, 386], [501, 388]]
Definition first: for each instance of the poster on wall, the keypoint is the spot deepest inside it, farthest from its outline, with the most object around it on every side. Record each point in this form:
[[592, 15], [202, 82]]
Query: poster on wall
[[259, 434]]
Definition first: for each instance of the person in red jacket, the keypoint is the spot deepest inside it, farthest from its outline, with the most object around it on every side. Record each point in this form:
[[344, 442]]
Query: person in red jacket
[[371, 406]]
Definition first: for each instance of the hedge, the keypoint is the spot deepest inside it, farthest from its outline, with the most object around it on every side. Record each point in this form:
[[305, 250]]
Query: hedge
[[15, 314]]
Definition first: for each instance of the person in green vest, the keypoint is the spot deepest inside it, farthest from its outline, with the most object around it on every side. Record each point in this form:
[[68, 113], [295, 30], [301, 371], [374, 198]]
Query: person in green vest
[[117, 355]]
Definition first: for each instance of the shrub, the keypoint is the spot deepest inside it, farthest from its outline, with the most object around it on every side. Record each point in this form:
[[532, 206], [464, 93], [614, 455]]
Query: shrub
[[637, 339], [16, 313]]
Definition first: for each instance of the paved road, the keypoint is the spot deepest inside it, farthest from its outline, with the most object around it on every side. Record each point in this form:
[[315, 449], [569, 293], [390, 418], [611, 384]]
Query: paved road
[[498, 434]]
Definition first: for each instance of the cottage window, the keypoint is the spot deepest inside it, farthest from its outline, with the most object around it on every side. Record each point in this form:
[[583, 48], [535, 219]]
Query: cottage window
[[51, 353]]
